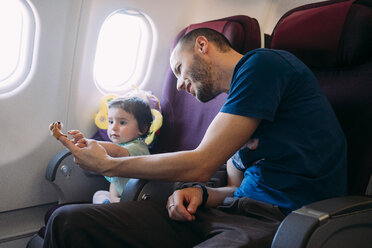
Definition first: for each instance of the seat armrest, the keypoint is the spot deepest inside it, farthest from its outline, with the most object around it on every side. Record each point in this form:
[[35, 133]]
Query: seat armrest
[[337, 222], [54, 163], [133, 189], [72, 183], [144, 190], [339, 205], [139, 189]]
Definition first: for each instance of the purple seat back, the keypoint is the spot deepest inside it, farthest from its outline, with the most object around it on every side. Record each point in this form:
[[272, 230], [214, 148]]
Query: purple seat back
[[334, 39], [186, 119]]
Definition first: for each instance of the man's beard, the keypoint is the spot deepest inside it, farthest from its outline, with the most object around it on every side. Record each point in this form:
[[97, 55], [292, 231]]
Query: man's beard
[[201, 72]]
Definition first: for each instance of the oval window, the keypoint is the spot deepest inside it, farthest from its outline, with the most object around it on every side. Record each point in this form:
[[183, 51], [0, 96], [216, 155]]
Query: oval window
[[123, 49], [17, 28]]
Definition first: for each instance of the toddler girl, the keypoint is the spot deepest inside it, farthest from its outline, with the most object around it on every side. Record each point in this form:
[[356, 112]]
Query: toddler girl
[[129, 120]]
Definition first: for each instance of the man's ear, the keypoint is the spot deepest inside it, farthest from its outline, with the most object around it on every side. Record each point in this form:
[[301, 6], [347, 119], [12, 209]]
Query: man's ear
[[201, 44]]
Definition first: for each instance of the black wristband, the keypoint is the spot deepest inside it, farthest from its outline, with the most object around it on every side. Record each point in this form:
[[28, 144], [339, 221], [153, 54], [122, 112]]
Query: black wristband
[[199, 185], [205, 193]]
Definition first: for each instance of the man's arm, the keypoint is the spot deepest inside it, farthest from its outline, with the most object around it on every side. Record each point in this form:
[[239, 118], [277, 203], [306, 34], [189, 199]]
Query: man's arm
[[225, 135]]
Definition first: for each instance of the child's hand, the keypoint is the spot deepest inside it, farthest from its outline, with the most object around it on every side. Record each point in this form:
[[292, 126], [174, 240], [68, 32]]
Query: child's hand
[[82, 143], [78, 138]]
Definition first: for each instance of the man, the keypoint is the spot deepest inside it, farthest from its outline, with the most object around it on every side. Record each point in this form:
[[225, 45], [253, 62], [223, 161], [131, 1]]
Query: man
[[286, 145]]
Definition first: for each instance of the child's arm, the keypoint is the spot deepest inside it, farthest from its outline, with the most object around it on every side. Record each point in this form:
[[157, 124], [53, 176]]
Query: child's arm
[[114, 195], [112, 149]]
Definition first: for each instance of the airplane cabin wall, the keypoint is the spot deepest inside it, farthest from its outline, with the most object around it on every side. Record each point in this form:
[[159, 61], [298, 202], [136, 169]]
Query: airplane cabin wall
[[26, 146], [61, 85]]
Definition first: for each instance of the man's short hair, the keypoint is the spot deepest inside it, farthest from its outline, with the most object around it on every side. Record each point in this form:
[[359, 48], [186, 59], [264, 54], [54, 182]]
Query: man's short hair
[[188, 40]]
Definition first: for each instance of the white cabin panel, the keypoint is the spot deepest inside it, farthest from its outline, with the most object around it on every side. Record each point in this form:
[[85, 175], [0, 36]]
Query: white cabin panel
[[26, 145]]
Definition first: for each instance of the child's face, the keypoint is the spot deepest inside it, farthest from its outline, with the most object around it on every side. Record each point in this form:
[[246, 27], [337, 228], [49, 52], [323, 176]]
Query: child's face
[[122, 126]]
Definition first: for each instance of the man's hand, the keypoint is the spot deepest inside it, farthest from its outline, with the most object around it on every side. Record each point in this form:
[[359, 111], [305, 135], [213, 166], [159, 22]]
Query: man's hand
[[183, 203], [92, 157]]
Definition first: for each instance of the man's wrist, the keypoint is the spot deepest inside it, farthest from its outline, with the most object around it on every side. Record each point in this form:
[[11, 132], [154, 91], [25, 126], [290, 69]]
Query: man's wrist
[[205, 193], [198, 185], [109, 166]]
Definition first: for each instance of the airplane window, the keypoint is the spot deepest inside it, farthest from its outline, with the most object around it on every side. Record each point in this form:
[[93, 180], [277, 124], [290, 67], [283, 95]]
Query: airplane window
[[17, 33], [122, 51]]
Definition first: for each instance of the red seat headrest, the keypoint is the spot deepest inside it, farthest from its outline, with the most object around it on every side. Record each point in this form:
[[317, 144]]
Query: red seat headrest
[[243, 32], [332, 33]]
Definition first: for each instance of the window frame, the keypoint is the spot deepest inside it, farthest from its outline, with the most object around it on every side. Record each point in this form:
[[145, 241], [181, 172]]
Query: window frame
[[26, 50], [143, 54]]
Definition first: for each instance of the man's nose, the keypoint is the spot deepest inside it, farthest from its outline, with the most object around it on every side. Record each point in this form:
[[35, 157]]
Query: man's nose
[[180, 84]]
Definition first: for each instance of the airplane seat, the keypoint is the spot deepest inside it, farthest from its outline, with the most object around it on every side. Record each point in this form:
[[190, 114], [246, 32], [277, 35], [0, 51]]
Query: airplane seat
[[334, 39], [185, 117], [185, 121]]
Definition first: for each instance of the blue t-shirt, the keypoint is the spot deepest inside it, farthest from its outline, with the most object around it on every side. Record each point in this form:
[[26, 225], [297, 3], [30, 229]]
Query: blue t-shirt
[[301, 152]]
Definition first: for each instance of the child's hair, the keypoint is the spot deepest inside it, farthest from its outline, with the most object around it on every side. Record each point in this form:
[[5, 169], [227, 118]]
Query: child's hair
[[139, 108]]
